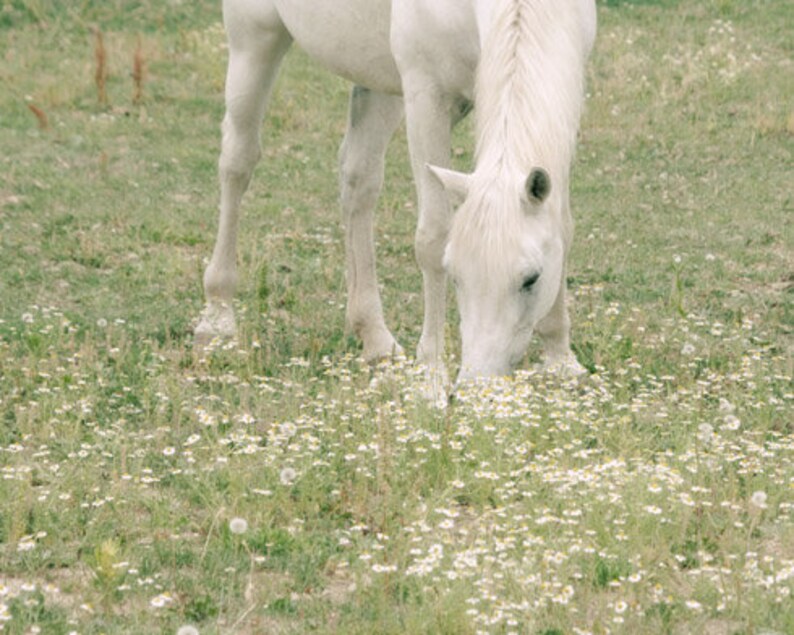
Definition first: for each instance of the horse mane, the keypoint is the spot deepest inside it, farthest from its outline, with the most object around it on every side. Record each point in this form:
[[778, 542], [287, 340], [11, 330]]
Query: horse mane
[[529, 87], [528, 96]]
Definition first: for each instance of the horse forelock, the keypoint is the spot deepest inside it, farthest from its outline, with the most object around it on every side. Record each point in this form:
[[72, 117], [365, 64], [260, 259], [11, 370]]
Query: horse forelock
[[490, 229]]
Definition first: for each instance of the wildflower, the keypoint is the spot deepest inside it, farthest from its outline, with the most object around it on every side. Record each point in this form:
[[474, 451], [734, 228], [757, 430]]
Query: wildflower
[[101, 323], [731, 422], [686, 499], [238, 525], [688, 349], [159, 601], [26, 543], [187, 629], [287, 429], [169, 451], [287, 476], [193, 438], [705, 432]]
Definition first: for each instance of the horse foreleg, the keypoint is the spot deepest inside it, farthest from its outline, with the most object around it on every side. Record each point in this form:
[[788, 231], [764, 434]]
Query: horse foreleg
[[555, 328], [255, 54], [555, 333], [372, 119], [429, 123]]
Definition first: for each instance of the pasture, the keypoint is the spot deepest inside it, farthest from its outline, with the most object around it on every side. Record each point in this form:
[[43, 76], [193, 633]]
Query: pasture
[[279, 485]]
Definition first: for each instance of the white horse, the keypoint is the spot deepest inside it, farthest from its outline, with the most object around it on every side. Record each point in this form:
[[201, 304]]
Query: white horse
[[522, 63]]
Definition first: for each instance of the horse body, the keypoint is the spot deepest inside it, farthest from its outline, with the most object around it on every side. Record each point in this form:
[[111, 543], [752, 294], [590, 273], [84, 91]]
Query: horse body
[[350, 39], [522, 62]]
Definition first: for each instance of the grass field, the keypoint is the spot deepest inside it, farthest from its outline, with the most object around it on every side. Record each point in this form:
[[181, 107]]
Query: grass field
[[278, 485]]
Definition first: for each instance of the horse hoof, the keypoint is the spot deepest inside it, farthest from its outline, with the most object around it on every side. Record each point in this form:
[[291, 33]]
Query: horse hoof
[[566, 368], [389, 350], [215, 323], [435, 387]]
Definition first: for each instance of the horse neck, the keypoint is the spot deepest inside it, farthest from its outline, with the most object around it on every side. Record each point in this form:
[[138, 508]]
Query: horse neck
[[529, 87]]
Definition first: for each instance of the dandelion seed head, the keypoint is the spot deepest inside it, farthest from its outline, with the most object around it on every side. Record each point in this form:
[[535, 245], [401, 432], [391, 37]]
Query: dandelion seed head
[[238, 525], [758, 499], [726, 406], [705, 432], [688, 349], [287, 476]]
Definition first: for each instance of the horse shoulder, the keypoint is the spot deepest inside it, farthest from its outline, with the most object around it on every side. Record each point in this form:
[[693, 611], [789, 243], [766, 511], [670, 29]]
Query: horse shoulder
[[437, 40]]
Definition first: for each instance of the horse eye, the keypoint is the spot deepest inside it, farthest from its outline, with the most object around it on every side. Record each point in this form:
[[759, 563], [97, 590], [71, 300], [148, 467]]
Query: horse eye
[[529, 282]]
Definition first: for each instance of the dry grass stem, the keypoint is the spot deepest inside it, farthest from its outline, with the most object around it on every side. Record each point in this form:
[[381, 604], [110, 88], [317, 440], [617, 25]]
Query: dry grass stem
[[41, 116], [138, 73], [101, 71]]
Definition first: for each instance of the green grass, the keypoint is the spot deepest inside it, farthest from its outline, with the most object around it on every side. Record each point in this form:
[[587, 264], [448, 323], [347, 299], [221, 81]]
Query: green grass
[[626, 503]]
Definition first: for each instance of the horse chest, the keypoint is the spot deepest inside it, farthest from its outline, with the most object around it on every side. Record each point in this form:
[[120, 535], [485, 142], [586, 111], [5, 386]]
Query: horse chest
[[359, 39]]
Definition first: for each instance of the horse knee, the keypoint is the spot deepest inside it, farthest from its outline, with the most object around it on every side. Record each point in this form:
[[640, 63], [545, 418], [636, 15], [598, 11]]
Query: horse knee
[[239, 157], [360, 179], [358, 189], [429, 245], [240, 150]]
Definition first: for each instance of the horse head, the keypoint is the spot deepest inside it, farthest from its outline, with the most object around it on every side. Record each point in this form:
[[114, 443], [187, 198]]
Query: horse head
[[505, 256]]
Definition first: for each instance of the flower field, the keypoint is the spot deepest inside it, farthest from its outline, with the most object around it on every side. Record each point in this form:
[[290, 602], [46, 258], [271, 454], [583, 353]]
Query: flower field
[[276, 483]]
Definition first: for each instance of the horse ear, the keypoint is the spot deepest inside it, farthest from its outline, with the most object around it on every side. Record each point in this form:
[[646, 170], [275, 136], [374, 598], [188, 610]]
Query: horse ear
[[538, 185], [455, 183]]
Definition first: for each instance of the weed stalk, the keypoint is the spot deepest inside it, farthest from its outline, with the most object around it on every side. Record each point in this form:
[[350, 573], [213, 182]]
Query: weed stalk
[[138, 73], [101, 71]]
